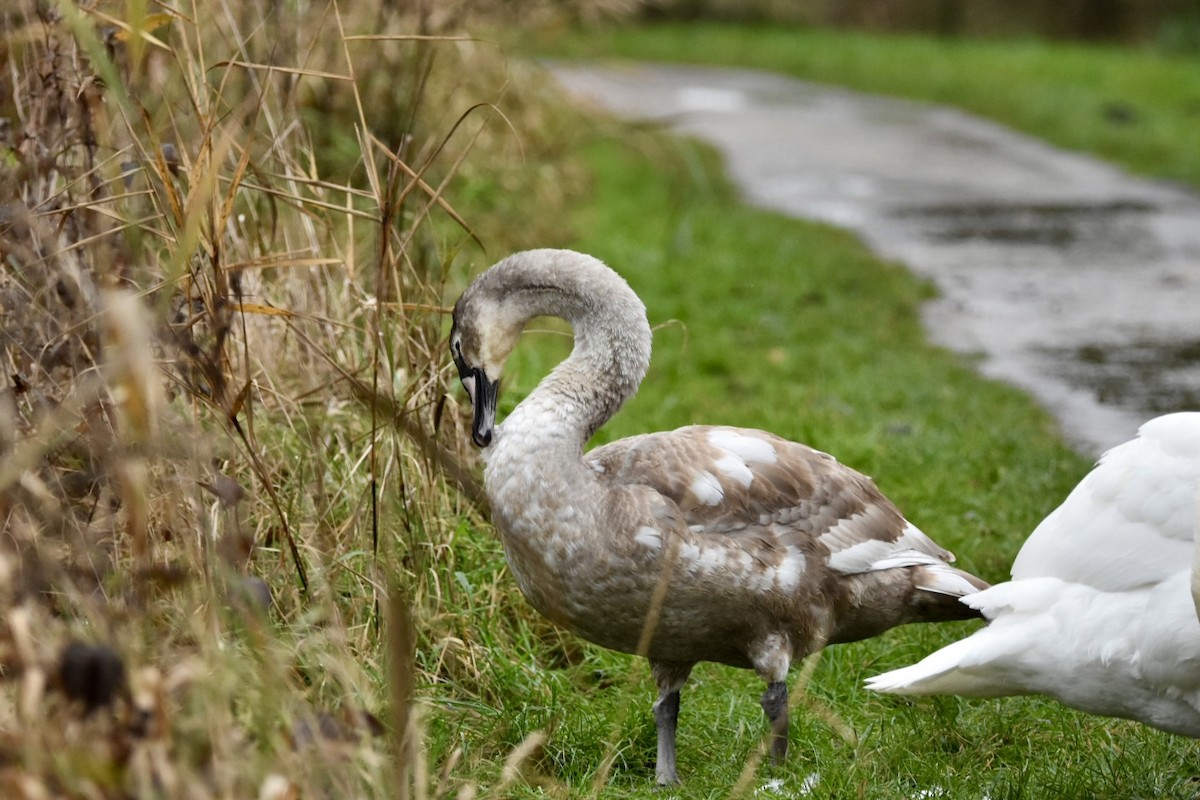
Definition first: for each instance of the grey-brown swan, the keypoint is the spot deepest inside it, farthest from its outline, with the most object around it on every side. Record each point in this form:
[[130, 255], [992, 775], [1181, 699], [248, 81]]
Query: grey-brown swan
[[1100, 612], [707, 543]]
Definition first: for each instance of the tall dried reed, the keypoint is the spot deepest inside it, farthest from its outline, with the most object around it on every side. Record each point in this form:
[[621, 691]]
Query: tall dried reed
[[231, 474]]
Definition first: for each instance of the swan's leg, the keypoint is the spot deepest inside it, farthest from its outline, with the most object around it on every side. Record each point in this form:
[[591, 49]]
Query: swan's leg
[[670, 676], [666, 716], [772, 656], [775, 704]]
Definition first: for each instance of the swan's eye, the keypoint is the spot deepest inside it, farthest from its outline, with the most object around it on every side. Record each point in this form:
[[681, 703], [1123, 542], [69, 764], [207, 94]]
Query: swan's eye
[[457, 355]]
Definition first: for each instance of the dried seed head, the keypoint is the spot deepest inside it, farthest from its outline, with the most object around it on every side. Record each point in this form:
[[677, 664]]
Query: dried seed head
[[92, 674]]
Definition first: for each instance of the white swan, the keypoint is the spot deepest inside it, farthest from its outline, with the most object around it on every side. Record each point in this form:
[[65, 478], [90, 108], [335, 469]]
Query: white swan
[[701, 544], [1099, 613]]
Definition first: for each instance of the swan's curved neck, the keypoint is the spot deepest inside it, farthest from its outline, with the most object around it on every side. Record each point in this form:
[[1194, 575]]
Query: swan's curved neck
[[606, 365]]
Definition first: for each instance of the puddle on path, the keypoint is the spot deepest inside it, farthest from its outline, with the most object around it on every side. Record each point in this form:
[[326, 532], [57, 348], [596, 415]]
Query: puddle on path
[[1069, 277], [1099, 226], [1158, 376]]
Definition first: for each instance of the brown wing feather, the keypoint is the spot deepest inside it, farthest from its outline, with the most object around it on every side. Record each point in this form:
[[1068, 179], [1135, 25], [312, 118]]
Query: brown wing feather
[[730, 480]]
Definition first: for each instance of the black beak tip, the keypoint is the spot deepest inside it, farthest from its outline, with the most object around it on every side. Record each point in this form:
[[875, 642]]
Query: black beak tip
[[481, 439]]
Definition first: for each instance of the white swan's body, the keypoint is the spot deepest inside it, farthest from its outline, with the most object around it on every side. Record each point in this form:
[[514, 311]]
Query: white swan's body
[[1100, 611], [700, 544]]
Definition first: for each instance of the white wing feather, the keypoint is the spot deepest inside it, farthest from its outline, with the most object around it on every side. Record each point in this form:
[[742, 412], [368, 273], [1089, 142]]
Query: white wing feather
[[1129, 523]]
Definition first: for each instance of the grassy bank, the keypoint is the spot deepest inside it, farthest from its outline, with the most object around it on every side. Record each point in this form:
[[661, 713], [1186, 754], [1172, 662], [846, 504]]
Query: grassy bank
[[774, 323], [1138, 108]]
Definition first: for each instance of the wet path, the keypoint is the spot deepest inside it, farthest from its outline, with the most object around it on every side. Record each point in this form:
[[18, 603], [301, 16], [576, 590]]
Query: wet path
[[1069, 277]]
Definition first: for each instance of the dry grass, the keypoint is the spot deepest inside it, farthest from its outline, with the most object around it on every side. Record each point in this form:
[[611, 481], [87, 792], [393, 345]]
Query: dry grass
[[227, 454]]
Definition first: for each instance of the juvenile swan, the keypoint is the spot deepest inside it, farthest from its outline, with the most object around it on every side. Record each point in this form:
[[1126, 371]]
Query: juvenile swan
[[700, 544], [1099, 613]]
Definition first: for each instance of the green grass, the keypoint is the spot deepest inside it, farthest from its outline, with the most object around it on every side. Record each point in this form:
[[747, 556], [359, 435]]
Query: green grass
[[794, 327], [1138, 108]]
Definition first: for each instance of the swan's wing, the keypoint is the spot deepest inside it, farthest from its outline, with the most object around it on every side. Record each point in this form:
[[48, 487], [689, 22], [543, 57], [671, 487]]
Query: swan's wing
[[1130, 522], [738, 482]]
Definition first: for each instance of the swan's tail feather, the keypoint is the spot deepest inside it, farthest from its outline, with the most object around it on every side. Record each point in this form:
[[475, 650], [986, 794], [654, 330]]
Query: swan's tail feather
[[942, 672], [945, 579], [939, 586], [941, 592]]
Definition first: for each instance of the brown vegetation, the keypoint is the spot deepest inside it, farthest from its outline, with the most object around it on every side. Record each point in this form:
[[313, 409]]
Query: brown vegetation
[[226, 233]]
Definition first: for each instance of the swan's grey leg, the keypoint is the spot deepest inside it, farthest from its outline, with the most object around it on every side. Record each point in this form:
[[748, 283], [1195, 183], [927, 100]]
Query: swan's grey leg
[[772, 656], [670, 676], [775, 704], [666, 716]]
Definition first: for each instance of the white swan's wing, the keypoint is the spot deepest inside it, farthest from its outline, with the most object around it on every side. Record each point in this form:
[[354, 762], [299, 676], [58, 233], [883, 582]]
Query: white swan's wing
[[1131, 521], [748, 483]]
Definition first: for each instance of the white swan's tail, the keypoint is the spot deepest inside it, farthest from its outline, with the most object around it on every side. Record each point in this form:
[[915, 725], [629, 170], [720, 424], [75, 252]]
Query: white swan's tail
[[946, 671], [994, 661], [1024, 649]]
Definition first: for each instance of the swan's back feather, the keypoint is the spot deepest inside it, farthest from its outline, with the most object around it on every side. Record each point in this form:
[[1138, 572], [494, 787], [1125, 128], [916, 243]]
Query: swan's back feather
[[735, 482], [1130, 522]]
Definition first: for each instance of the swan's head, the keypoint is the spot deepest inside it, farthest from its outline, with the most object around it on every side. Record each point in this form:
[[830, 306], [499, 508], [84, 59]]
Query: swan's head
[[492, 312], [485, 331]]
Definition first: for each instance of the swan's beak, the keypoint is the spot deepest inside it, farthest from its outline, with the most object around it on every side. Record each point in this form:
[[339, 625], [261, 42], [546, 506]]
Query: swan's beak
[[483, 393]]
